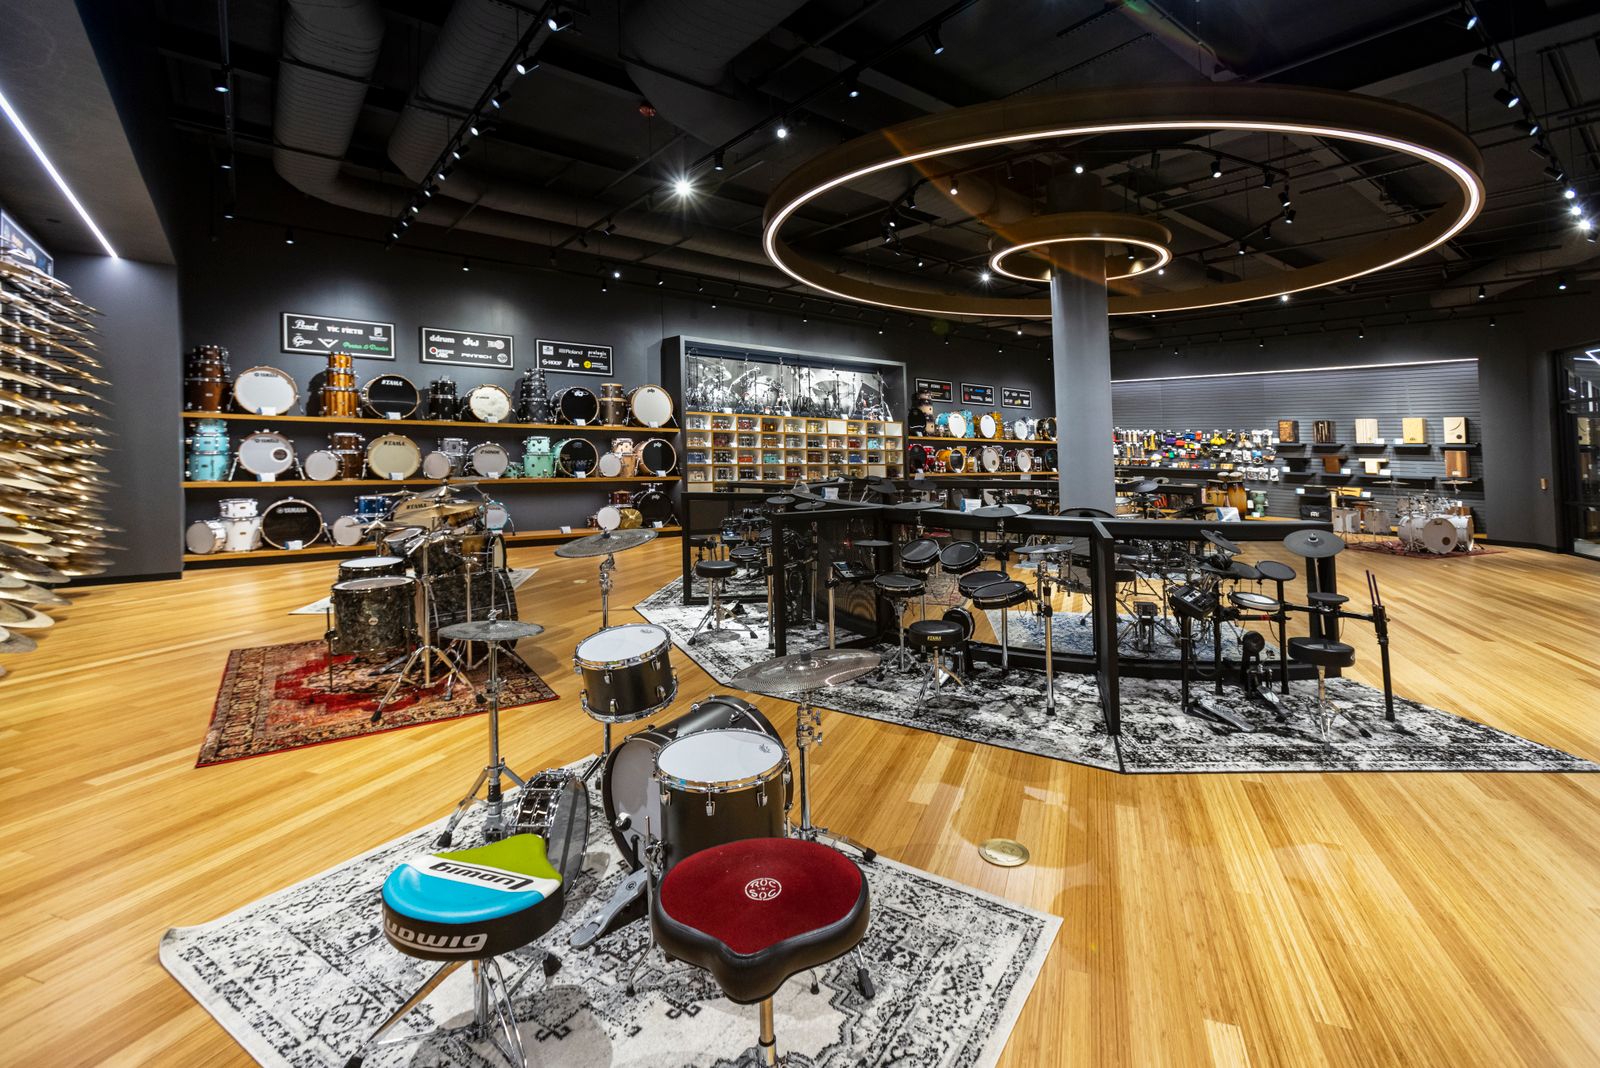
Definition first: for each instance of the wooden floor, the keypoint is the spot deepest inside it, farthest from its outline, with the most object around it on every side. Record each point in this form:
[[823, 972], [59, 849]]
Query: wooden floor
[[1421, 919]]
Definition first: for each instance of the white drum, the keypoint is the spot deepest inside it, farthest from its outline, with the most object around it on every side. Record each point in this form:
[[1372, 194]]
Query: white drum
[[1436, 534], [321, 466], [265, 391], [238, 507], [730, 759], [266, 454], [438, 465], [349, 530], [1022, 429], [610, 465], [990, 458], [488, 460], [957, 424], [988, 426], [487, 404], [1024, 460], [241, 535], [650, 406], [495, 516], [393, 456], [205, 536]]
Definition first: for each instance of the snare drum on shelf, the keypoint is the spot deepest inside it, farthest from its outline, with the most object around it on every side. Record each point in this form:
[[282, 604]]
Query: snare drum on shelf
[[238, 507], [350, 448], [205, 536], [989, 425], [348, 530], [372, 506], [321, 465], [609, 465]]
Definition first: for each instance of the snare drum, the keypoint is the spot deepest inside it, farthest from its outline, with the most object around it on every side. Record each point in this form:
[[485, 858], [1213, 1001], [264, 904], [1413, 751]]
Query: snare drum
[[241, 535], [265, 391], [393, 456], [321, 465], [719, 786], [373, 616], [390, 397], [370, 567], [205, 536], [650, 406], [1253, 602], [575, 457], [627, 672], [657, 457], [238, 507], [609, 465], [266, 454], [575, 405], [291, 524], [488, 460], [486, 404], [348, 530], [448, 460]]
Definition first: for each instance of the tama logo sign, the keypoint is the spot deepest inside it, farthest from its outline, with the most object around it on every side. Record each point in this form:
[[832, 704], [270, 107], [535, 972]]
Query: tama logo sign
[[437, 943]]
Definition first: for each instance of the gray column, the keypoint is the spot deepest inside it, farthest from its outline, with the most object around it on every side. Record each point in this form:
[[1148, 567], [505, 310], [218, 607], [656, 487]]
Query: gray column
[[1080, 346]]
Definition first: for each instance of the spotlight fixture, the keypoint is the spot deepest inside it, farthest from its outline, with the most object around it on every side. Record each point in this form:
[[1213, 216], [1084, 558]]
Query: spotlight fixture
[[526, 65], [1261, 342], [404, 223], [935, 45], [717, 161], [1570, 193], [955, 190], [699, 286], [219, 81], [1589, 233], [1483, 294], [683, 186], [428, 190], [660, 280], [852, 87], [226, 164], [444, 173], [984, 276], [1077, 168], [1561, 282], [1361, 330], [1540, 149], [457, 152], [227, 213], [1241, 248], [1283, 197], [919, 263], [1507, 96], [1529, 126], [288, 239], [735, 292], [1288, 217], [604, 288], [1555, 173], [1586, 224], [615, 273], [1491, 321], [560, 19], [1283, 298], [1161, 270], [499, 99], [466, 264], [413, 208], [1266, 178], [1216, 167], [783, 130], [609, 228], [1575, 208], [472, 128], [1488, 61]]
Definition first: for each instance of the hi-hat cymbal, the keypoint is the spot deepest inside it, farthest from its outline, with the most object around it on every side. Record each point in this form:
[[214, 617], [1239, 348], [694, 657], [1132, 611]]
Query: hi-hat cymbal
[[803, 672], [1313, 544], [490, 630], [607, 542], [871, 543], [32, 570]]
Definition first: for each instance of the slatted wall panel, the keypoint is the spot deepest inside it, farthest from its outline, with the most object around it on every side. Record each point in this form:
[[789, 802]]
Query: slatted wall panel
[[1387, 394]]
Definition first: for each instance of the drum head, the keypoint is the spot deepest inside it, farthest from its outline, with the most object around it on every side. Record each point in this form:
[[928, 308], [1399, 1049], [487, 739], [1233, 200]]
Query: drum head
[[987, 426], [609, 517], [376, 582], [322, 465], [390, 396], [348, 530], [650, 406], [1439, 535], [488, 403], [1254, 602], [393, 456], [711, 757], [630, 787], [630, 642], [957, 460], [1024, 460], [919, 553], [266, 453], [575, 457], [489, 460], [959, 557], [204, 536], [957, 425], [437, 465], [990, 458], [658, 457], [265, 391], [1019, 429], [575, 404], [610, 465], [291, 523]]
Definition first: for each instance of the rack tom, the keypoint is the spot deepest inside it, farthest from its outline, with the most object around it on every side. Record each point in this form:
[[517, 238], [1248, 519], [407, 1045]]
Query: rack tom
[[627, 672]]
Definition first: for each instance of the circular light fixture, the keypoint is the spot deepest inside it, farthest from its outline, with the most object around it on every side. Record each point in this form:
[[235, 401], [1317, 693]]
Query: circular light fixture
[[1034, 237], [1291, 111]]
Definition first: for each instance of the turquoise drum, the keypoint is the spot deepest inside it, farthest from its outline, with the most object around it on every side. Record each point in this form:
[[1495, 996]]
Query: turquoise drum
[[208, 451], [538, 461], [969, 423]]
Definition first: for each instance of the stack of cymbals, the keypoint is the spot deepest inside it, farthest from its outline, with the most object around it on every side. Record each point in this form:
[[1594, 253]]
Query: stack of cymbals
[[52, 484]]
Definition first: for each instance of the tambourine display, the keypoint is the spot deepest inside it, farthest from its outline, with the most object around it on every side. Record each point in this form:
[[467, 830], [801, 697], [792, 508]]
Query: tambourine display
[[291, 524], [390, 397], [575, 457], [265, 391], [393, 456]]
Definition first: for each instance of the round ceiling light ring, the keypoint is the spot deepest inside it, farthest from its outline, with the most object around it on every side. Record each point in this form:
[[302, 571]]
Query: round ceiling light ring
[[1292, 111], [1074, 227]]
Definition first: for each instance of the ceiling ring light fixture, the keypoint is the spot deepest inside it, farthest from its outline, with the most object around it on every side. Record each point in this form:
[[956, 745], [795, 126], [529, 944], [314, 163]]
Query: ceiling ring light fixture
[[1031, 240], [933, 141]]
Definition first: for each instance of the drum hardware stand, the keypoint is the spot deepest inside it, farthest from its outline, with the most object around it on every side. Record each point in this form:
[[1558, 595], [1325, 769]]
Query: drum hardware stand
[[427, 650], [1046, 608], [494, 821], [607, 566], [1221, 721]]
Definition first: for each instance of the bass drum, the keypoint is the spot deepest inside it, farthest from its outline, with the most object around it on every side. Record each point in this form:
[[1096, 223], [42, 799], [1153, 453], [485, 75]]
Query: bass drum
[[1045, 430], [650, 406], [989, 425], [291, 524], [575, 405], [629, 793], [488, 460], [654, 506], [486, 404], [266, 454], [390, 397], [657, 457], [265, 391], [575, 457], [393, 456]]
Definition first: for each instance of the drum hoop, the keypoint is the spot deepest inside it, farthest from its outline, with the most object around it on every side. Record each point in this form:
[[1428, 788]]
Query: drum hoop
[[721, 786], [272, 372], [644, 713], [583, 663]]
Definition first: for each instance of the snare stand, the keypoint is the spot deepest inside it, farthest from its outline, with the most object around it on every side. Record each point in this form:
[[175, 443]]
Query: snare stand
[[494, 822]]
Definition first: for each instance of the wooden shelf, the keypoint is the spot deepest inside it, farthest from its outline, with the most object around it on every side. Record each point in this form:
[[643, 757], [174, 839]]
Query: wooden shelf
[[979, 474], [982, 441], [305, 482], [525, 538], [368, 421]]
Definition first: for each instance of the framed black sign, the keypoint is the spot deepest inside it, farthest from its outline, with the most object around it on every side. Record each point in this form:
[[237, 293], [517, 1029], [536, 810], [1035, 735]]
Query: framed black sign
[[1016, 398], [976, 393], [574, 357], [321, 334], [466, 348], [937, 388]]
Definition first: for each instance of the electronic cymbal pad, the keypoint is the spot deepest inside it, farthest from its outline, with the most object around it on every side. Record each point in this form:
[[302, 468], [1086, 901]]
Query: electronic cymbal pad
[[1313, 544], [1145, 486], [803, 672], [607, 542], [490, 630], [915, 506], [1049, 549], [1001, 511], [1225, 544]]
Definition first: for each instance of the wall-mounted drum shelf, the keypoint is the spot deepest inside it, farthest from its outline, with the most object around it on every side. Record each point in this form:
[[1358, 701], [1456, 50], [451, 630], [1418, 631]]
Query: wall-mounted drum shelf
[[369, 421], [1028, 442], [338, 482], [529, 537]]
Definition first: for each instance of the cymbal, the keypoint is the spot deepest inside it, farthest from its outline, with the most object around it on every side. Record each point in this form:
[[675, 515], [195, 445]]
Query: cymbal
[[27, 593], [1052, 549], [606, 543], [17, 643], [1145, 486], [1225, 544], [1000, 511], [782, 500], [24, 537], [810, 506], [15, 616], [871, 543], [32, 570], [803, 672], [1313, 544], [915, 506], [490, 630]]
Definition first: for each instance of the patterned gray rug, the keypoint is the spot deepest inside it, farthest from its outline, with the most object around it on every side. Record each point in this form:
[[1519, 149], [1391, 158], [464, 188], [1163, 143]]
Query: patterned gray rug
[[301, 977], [1008, 711]]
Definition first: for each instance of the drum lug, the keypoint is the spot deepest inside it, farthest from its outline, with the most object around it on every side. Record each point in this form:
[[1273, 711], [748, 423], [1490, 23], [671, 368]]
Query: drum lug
[[607, 677], [711, 806], [761, 797]]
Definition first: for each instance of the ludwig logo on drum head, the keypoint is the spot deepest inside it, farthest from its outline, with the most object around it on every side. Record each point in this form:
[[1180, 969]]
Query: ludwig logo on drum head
[[762, 889]]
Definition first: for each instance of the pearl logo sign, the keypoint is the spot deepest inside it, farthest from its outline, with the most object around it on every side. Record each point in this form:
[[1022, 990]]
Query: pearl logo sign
[[322, 334], [762, 889], [467, 348]]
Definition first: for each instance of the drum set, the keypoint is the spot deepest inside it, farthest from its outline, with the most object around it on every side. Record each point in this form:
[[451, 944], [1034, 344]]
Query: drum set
[[1429, 522]]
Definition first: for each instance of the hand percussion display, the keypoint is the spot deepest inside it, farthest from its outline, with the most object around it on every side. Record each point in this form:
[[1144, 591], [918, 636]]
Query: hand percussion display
[[575, 457], [442, 403], [290, 524], [205, 379], [265, 391], [486, 404], [575, 405], [390, 397], [627, 672], [488, 460], [613, 404], [393, 456], [205, 536], [266, 454], [650, 406], [657, 457]]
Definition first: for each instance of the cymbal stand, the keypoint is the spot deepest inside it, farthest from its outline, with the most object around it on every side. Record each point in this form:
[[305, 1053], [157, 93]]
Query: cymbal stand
[[1043, 596], [808, 733], [607, 566], [494, 821], [426, 651]]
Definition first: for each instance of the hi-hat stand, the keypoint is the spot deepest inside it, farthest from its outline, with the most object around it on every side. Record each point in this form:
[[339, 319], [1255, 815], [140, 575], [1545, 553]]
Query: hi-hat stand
[[426, 651]]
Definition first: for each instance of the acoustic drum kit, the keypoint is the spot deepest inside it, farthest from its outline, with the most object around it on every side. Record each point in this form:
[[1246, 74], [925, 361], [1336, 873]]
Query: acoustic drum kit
[[1431, 523]]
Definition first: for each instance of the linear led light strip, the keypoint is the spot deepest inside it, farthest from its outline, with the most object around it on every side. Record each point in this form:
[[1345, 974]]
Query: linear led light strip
[[1299, 370], [1467, 180], [1163, 255], [55, 175]]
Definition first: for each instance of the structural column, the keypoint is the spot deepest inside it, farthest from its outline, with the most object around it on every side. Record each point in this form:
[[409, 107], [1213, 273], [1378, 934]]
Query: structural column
[[1080, 344]]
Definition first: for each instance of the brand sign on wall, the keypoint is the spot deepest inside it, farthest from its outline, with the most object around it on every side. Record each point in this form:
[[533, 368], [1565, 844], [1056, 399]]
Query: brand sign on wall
[[22, 247], [321, 334], [976, 393], [936, 388], [1016, 398], [573, 357], [466, 348]]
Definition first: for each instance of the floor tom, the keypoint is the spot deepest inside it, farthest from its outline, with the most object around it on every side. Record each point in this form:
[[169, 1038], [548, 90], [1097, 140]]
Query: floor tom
[[720, 786]]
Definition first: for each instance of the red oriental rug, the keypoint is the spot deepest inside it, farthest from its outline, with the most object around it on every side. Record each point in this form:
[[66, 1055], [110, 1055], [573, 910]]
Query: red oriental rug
[[276, 697]]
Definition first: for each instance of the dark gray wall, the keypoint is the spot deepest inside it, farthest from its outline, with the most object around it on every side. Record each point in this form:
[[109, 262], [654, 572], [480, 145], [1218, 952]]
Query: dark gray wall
[[138, 334]]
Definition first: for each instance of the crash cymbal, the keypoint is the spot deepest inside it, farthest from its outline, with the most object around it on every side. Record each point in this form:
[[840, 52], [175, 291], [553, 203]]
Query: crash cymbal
[[804, 672], [17, 643], [24, 537], [32, 570], [1001, 511], [28, 593], [607, 542], [810, 506], [782, 500], [1052, 549], [1225, 544], [490, 630], [871, 543], [915, 506], [7, 523], [1313, 544], [15, 616]]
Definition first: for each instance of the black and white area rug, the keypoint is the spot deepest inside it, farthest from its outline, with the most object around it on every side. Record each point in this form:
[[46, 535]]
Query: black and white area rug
[[300, 978], [1008, 711]]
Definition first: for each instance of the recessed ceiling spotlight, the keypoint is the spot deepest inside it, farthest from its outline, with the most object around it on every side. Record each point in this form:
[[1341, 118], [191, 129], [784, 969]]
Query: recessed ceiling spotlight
[[466, 264], [935, 44], [1283, 298], [288, 238], [219, 81], [1216, 167], [1570, 193], [955, 190], [683, 186], [1077, 168], [984, 276], [616, 273], [783, 130]]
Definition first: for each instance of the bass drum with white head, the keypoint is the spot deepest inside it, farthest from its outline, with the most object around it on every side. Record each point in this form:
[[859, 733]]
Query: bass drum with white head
[[266, 454], [393, 456], [265, 391], [650, 406], [486, 404], [488, 460]]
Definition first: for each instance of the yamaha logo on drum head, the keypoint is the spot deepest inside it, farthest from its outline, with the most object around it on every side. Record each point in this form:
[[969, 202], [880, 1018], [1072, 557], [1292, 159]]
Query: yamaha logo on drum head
[[763, 889]]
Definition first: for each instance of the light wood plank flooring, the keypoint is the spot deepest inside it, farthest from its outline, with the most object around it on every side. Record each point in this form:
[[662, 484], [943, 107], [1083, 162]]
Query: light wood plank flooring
[[1423, 919]]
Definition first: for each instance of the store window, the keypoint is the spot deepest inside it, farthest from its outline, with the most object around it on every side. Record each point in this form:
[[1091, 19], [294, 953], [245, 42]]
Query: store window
[[1579, 393]]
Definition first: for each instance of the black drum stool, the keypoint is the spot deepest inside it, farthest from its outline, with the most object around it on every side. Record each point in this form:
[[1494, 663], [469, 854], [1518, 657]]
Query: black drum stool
[[716, 572], [937, 636], [757, 911], [899, 589], [1326, 653]]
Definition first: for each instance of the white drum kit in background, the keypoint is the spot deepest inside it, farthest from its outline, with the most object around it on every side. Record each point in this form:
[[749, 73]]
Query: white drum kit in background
[[237, 529], [1429, 523]]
